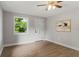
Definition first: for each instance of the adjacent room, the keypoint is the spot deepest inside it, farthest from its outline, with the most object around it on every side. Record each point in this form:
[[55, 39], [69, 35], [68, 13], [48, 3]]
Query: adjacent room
[[39, 29]]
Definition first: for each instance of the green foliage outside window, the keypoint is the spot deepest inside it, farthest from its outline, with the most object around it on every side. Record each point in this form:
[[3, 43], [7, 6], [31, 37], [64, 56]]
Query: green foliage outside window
[[20, 25]]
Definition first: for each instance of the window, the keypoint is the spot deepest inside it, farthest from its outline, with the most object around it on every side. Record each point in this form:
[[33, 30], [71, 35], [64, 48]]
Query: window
[[21, 24]]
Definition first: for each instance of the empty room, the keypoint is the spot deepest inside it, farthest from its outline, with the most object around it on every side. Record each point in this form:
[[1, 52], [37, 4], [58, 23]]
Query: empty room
[[39, 28]]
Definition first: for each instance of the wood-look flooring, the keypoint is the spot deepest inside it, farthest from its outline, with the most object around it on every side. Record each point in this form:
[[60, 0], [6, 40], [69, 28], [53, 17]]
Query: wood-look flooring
[[39, 49]]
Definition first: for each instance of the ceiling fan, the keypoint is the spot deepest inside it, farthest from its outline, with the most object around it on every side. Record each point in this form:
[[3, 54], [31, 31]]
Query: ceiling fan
[[52, 5]]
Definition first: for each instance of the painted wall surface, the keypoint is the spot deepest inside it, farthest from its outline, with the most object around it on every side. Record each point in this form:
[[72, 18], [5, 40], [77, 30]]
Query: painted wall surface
[[10, 37], [1, 28], [69, 39]]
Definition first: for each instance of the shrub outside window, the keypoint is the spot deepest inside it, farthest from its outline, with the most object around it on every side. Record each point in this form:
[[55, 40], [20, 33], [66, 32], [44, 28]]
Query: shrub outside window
[[21, 24]]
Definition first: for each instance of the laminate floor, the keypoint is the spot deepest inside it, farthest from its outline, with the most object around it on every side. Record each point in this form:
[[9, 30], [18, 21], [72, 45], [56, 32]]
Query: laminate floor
[[39, 49]]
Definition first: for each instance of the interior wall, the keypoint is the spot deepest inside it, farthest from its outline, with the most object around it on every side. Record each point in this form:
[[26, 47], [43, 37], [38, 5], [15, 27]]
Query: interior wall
[[1, 27], [10, 37], [69, 39], [1, 30]]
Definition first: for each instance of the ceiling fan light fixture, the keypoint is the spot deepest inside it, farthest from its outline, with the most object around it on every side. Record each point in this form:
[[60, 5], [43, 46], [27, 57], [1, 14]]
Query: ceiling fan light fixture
[[49, 7], [54, 7]]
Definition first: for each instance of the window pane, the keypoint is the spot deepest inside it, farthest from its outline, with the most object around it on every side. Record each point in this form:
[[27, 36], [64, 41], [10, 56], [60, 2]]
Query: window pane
[[20, 25]]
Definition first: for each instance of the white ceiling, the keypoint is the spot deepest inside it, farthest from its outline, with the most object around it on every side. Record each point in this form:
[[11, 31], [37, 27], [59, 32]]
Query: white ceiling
[[30, 8]]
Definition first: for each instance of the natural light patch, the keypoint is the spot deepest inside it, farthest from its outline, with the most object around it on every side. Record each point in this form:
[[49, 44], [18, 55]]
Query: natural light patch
[[21, 24]]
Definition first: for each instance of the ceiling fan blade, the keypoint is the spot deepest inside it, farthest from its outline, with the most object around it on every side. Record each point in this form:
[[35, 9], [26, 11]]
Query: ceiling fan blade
[[42, 5], [59, 1], [59, 6]]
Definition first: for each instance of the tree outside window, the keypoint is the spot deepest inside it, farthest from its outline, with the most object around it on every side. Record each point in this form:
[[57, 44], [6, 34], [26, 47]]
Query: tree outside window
[[20, 25]]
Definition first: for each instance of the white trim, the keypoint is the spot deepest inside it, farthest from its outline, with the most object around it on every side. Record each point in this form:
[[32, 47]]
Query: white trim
[[1, 49], [6, 45], [68, 46]]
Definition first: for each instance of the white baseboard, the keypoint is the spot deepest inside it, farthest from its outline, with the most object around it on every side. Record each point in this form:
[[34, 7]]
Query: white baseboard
[[1, 49], [68, 46], [19, 43]]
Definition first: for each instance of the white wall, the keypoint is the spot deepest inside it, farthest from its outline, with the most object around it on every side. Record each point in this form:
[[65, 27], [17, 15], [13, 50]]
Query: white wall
[[34, 22], [1, 14], [1, 28], [69, 39]]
